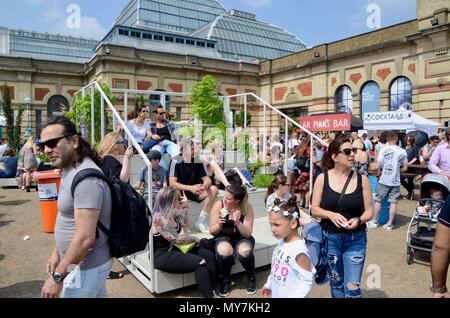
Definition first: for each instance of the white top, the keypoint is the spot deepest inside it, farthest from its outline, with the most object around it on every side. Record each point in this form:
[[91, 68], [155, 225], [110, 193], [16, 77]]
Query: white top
[[287, 279], [139, 132], [292, 143], [390, 159]]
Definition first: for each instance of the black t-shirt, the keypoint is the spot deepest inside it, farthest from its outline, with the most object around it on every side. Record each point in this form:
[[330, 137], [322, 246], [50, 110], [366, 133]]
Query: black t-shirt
[[187, 173], [164, 133], [444, 216], [111, 167]]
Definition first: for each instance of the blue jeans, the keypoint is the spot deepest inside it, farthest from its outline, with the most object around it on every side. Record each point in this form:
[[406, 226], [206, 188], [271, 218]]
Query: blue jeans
[[346, 256], [87, 283], [148, 145], [169, 147]]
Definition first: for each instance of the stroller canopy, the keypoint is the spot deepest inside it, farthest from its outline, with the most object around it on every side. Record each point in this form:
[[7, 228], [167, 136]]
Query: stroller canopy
[[434, 181]]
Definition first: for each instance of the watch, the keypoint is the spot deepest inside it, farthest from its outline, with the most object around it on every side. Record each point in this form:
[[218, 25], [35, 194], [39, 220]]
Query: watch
[[441, 290], [57, 277]]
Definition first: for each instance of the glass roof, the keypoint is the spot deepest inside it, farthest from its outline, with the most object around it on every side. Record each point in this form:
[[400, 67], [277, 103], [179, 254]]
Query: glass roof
[[183, 16], [240, 36], [53, 47]]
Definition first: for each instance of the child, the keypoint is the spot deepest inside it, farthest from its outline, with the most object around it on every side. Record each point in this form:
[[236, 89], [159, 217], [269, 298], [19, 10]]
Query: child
[[432, 208], [292, 275], [159, 176]]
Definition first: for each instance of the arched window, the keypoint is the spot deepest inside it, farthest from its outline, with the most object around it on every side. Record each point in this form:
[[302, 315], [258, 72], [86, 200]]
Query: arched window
[[56, 106], [401, 94], [344, 100], [370, 98]]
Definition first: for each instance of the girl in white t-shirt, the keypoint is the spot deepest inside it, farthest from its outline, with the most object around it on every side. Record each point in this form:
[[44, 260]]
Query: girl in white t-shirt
[[292, 274]]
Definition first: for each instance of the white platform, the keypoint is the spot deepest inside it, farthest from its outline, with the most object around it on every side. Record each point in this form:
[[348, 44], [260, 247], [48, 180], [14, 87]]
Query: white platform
[[139, 264]]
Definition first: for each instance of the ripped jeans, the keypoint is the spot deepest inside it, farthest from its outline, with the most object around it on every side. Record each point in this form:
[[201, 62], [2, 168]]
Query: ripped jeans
[[346, 256]]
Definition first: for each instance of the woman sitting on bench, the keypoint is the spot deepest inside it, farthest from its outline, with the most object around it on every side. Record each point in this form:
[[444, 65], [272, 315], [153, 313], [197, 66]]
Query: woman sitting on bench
[[9, 164], [170, 216], [232, 226]]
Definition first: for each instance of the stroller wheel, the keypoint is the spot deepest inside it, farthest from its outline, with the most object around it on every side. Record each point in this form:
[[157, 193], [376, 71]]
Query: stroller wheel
[[410, 256]]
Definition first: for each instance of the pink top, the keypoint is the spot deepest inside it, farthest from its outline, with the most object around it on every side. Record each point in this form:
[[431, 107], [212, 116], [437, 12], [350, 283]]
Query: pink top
[[440, 160]]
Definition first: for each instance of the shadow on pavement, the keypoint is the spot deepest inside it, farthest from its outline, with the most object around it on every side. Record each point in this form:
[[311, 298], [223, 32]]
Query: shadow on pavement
[[31, 289], [2, 257], [374, 293], [16, 202], [4, 223], [402, 220]]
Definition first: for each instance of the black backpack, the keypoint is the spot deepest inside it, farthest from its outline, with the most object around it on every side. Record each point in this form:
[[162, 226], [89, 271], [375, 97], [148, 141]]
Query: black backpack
[[130, 216], [232, 177], [302, 163]]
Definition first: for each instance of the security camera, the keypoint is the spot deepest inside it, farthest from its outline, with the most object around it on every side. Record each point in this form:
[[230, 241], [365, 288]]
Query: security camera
[[434, 21], [107, 50]]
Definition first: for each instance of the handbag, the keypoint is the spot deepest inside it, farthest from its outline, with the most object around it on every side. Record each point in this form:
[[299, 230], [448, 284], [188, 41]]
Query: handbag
[[185, 247]]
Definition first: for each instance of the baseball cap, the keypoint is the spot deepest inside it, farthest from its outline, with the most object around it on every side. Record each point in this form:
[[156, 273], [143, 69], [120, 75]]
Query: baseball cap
[[154, 155]]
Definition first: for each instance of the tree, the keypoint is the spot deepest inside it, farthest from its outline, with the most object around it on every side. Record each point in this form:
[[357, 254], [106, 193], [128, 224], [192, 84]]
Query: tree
[[205, 102], [82, 106], [9, 115], [239, 118], [17, 128]]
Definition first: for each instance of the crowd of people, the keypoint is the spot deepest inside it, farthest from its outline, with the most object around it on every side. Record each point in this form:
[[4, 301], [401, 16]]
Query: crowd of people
[[331, 224]]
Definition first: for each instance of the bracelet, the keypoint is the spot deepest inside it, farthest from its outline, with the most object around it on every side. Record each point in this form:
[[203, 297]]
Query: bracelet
[[359, 220]]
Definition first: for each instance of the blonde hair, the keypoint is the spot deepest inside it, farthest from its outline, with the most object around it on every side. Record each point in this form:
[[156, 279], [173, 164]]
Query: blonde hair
[[108, 144], [357, 143], [29, 143]]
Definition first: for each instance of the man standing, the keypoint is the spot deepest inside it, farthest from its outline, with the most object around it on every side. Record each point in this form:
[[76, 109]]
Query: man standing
[[367, 143], [392, 159], [81, 260], [440, 160], [440, 254], [163, 131], [187, 173]]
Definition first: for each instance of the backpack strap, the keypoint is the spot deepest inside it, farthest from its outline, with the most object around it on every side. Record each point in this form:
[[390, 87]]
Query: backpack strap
[[89, 173], [345, 189]]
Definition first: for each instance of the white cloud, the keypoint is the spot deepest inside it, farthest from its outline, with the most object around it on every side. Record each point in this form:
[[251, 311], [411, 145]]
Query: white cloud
[[257, 3], [52, 16]]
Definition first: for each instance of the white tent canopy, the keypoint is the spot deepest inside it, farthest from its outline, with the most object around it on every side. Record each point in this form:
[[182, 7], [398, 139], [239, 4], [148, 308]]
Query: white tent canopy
[[399, 120]]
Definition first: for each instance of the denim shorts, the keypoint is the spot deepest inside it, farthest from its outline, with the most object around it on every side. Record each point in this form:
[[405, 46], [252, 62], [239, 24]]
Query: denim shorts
[[383, 191]]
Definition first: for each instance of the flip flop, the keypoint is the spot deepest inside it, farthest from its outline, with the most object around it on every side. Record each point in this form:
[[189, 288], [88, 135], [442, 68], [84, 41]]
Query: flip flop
[[115, 275]]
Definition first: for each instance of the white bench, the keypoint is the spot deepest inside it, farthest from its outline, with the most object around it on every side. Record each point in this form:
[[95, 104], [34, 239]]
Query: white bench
[[139, 264]]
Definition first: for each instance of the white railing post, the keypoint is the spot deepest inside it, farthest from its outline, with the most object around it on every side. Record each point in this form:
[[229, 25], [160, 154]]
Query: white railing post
[[92, 117], [264, 134], [162, 100], [102, 120], [150, 241], [286, 147], [311, 170], [125, 115], [245, 112]]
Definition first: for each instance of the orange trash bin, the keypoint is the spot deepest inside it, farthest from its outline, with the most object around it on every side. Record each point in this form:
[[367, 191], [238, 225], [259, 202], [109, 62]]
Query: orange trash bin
[[48, 187]]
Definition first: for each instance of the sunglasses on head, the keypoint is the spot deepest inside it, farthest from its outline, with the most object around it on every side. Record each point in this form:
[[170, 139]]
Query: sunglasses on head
[[51, 143], [348, 151]]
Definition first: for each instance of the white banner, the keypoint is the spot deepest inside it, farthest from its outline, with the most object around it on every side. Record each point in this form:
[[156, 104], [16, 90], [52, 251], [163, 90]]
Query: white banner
[[398, 117]]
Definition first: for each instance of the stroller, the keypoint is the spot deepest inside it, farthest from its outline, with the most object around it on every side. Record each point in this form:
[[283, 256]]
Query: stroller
[[422, 227]]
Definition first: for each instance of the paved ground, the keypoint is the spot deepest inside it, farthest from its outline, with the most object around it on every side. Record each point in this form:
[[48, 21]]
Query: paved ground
[[22, 262]]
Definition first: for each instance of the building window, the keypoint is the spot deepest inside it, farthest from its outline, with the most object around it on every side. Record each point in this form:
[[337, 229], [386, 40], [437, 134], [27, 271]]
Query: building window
[[158, 37], [178, 114], [370, 98], [155, 100], [190, 42], [401, 94], [120, 83], [169, 39], [135, 34], [178, 40], [123, 32], [211, 45], [344, 100], [201, 43], [38, 122], [147, 36]]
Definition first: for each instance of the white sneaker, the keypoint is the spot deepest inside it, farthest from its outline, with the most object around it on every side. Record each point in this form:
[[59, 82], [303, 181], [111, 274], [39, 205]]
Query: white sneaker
[[388, 227], [202, 228], [372, 225]]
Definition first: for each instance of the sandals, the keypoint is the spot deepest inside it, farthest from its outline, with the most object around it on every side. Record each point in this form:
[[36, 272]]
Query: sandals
[[115, 275]]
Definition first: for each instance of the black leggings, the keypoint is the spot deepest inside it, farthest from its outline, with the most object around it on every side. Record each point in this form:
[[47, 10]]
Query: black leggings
[[225, 263], [408, 183], [177, 262]]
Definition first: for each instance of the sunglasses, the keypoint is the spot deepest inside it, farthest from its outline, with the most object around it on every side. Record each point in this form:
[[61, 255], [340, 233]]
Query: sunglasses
[[122, 142], [51, 143], [348, 151], [162, 113]]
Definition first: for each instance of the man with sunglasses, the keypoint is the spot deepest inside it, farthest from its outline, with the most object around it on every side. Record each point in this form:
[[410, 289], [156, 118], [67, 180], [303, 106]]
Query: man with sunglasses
[[81, 259], [392, 160], [162, 130]]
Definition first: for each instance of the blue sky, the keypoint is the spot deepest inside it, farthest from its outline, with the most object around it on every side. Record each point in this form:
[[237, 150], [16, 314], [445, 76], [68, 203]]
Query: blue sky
[[315, 22]]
